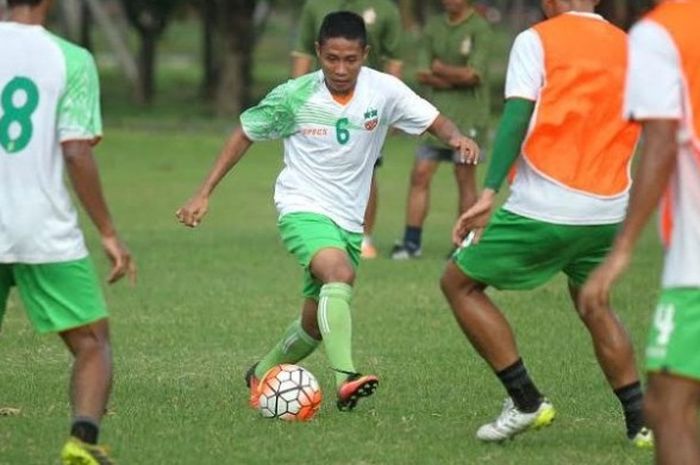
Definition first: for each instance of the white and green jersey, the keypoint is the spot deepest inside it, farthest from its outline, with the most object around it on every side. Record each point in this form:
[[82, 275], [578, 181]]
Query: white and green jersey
[[329, 147], [49, 93]]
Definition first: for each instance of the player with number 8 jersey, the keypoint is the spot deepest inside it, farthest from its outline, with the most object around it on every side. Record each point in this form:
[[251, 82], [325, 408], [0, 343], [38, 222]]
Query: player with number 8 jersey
[[333, 123], [39, 106], [49, 121]]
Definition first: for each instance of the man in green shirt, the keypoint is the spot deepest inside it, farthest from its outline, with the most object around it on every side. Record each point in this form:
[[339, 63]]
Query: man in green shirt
[[383, 23], [457, 81]]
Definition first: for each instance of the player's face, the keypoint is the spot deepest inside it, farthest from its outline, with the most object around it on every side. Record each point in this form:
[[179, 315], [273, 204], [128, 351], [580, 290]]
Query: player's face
[[341, 60]]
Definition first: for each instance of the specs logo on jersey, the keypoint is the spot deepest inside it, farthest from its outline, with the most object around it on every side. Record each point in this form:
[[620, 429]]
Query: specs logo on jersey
[[314, 132], [370, 16], [371, 119]]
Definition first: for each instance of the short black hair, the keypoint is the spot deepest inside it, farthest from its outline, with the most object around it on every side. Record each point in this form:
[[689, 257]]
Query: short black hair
[[345, 24], [13, 3]]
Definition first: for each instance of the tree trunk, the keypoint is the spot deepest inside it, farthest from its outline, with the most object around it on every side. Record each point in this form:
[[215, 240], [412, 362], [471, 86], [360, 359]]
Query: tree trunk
[[211, 61], [147, 60], [235, 23], [85, 26]]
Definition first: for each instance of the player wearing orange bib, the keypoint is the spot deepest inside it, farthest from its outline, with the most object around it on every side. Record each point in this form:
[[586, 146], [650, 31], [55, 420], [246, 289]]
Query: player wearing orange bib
[[666, 102], [563, 123]]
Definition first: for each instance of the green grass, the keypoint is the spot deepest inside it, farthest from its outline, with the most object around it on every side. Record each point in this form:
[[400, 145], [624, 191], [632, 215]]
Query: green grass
[[210, 301]]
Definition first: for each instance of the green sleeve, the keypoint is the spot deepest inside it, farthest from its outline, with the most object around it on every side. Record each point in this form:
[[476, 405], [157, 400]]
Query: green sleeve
[[78, 114], [479, 60], [391, 41], [509, 139], [306, 42], [271, 118]]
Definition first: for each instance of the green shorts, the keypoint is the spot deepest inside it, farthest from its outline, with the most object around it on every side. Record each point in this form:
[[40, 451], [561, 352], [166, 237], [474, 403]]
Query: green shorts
[[518, 253], [304, 234], [57, 296], [674, 339]]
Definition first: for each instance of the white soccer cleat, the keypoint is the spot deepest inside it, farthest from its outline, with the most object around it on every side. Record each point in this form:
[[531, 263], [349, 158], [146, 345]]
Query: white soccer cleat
[[644, 439], [512, 421]]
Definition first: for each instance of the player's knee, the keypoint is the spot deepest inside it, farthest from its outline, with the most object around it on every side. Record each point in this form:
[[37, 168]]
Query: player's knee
[[420, 178], [342, 274], [453, 282], [89, 339]]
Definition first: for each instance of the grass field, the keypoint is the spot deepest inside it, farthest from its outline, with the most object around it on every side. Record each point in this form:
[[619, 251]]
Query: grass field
[[210, 301]]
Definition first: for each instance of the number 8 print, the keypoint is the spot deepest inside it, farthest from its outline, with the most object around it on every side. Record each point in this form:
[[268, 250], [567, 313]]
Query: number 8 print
[[16, 124]]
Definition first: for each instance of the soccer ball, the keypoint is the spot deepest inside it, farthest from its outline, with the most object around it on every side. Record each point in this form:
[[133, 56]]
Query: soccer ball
[[289, 392]]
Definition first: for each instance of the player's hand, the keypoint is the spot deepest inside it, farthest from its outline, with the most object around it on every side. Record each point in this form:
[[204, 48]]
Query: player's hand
[[467, 149], [474, 220], [595, 293], [423, 76], [120, 257], [193, 211], [437, 66]]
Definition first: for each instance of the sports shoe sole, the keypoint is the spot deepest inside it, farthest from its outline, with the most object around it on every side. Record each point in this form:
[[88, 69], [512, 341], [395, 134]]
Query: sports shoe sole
[[364, 389]]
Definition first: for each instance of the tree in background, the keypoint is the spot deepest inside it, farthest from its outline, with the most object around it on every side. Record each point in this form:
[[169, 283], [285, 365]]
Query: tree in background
[[149, 18], [230, 31]]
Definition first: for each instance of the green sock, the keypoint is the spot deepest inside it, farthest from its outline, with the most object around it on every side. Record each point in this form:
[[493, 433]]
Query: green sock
[[336, 327], [296, 344]]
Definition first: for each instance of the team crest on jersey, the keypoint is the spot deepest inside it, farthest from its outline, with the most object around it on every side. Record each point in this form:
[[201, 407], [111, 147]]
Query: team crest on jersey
[[466, 47], [370, 16], [371, 119]]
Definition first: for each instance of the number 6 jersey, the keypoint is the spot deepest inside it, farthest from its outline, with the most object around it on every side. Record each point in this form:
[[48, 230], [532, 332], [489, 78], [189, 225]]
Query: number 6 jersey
[[49, 94], [331, 145]]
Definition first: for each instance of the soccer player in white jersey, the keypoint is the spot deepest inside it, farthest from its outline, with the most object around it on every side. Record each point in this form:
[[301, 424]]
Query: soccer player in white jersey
[[667, 103], [333, 123], [49, 121]]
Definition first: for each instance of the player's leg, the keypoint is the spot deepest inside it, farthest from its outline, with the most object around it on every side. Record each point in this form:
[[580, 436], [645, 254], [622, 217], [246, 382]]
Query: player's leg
[[612, 345], [298, 342], [66, 298], [465, 175], [368, 248], [329, 257], [418, 202], [335, 268], [91, 379], [615, 354], [671, 407], [512, 254], [302, 234], [6, 282]]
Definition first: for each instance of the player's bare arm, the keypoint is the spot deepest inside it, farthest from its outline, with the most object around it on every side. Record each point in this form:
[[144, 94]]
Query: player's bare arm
[[85, 178], [301, 64], [427, 78], [658, 161], [458, 76], [192, 212], [445, 130]]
